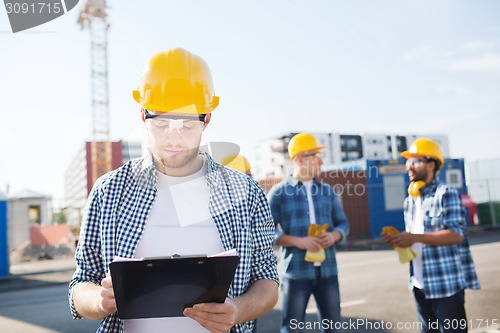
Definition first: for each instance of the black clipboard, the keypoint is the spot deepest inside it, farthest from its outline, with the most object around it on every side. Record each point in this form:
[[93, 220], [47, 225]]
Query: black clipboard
[[163, 287]]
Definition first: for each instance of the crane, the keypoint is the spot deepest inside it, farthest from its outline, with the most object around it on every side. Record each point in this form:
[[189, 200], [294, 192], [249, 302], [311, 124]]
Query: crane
[[94, 17]]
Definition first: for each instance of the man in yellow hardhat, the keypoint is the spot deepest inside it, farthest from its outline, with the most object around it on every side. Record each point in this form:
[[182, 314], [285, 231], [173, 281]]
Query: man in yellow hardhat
[[176, 200], [436, 230], [310, 221]]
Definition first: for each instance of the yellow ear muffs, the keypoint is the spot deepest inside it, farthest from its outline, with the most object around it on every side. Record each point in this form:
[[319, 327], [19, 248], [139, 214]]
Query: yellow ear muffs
[[415, 187]]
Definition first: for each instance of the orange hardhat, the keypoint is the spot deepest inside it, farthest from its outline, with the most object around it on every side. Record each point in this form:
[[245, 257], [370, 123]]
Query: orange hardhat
[[237, 162], [301, 143], [425, 148], [176, 81]]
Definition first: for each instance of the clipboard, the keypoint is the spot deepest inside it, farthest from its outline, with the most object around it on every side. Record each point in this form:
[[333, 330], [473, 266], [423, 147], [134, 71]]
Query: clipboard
[[163, 287]]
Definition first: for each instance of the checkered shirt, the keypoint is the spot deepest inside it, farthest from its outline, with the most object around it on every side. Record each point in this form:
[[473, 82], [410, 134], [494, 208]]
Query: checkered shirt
[[290, 209], [447, 269], [117, 210]]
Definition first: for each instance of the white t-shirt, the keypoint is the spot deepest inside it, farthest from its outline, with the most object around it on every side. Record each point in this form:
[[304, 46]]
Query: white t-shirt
[[417, 227], [312, 215], [179, 223]]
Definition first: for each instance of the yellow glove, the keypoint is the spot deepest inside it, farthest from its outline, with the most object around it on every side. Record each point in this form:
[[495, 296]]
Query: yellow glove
[[318, 256], [406, 254]]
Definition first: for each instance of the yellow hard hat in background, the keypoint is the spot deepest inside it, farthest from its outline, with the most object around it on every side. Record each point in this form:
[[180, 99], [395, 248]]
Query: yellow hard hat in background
[[425, 148], [176, 80], [302, 142], [237, 162]]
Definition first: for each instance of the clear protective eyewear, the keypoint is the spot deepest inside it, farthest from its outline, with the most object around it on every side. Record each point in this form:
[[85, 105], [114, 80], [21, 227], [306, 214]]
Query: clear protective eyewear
[[182, 124], [317, 154], [415, 161]]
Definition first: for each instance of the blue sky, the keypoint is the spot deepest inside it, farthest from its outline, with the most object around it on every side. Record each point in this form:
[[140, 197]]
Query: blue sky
[[368, 66]]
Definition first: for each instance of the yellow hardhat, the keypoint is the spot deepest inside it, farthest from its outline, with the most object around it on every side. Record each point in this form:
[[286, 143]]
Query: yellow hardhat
[[237, 162], [302, 142], [425, 148], [176, 80]]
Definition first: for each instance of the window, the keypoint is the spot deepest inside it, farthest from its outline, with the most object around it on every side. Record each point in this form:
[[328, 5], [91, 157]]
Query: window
[[351, 147], [394, 192], [34, 214], [454, 178]]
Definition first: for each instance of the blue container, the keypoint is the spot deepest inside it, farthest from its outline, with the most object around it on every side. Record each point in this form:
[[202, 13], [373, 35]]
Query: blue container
[[4, 248], [386, 192]]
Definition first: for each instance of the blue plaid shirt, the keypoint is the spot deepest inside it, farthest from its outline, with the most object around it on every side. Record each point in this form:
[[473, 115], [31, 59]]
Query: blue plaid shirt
[[446, 269], [290, 209], [117, 210]]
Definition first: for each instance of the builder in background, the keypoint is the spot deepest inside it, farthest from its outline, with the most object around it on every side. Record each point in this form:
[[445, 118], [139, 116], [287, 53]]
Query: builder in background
[[238, 163], [436, 230], [310, 221]]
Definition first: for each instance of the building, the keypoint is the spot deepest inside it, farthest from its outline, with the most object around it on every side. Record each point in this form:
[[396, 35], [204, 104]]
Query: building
[[26, 209], [484, 184], [342, 150], [82, 173], [484, 178]]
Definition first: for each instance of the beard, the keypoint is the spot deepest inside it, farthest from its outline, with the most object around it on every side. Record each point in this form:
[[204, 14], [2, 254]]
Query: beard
[[419, 175], [181, 160]]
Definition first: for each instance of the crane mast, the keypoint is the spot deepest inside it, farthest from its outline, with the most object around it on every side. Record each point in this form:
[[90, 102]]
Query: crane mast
[[94, 17]]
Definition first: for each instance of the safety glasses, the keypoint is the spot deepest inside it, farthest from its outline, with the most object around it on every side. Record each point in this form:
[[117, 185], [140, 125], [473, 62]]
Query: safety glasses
[[318, 154], [416, 161], [181, 123]]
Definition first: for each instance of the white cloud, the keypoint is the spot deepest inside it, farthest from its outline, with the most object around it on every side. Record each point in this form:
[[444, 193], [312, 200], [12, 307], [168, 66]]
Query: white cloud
[[482, 63]]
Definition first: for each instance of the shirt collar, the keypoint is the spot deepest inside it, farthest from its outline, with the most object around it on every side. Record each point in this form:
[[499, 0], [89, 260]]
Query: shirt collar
[[431, 187], [212, 167], [147, 164], [294, 181]]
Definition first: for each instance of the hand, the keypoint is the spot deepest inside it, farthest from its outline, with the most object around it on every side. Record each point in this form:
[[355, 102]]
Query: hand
[[215, 317], [310, 243], [403, 239], [327, 239], [108, 302], [388, 239]]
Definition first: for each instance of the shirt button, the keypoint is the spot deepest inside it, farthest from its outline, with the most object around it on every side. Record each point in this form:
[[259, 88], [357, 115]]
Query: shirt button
[[139, 230]]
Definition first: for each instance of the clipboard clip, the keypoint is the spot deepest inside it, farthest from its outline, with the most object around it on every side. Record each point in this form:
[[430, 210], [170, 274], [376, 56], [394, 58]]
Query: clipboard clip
[[178, 256]]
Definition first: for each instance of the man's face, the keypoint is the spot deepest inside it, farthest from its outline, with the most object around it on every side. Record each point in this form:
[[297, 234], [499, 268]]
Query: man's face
[[174, 139], [419, 168], [312, 162]]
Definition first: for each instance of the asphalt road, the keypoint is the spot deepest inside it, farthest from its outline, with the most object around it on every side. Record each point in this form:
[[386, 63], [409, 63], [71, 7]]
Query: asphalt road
[[374, 293]]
